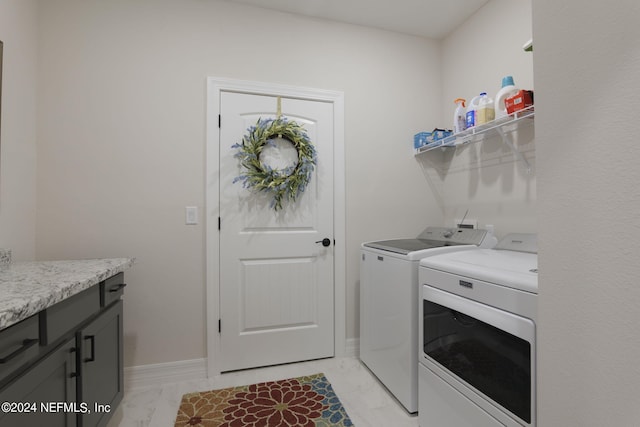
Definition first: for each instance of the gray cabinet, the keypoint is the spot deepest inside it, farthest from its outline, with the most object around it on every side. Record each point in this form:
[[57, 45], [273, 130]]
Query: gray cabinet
[[36, 395], [73, 375], [100, 361]]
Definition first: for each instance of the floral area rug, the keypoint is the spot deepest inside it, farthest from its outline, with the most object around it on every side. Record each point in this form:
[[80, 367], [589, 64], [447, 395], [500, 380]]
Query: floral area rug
[[304, 401]]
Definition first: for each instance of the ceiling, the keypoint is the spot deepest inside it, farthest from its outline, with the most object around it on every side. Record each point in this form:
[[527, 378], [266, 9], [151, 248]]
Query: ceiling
[[426, 18]]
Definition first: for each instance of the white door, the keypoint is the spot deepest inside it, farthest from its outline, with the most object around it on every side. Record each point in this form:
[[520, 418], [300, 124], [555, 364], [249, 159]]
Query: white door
[[276, 281]]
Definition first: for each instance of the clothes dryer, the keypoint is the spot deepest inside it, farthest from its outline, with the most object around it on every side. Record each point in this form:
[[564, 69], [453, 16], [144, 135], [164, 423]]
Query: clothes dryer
[[477, 336]]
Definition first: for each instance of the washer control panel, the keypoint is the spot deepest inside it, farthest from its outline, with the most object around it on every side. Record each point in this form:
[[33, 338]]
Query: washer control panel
[[464, 236]]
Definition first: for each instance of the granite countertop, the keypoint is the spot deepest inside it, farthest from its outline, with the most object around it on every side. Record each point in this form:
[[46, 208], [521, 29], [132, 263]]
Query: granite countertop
[[29, 287]]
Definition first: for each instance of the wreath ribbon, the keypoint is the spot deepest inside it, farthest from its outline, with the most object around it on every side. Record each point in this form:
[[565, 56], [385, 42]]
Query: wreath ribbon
[[279, 110]]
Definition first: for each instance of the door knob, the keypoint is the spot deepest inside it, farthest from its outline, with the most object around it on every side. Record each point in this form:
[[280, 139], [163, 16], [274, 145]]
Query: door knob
[[325, 242]]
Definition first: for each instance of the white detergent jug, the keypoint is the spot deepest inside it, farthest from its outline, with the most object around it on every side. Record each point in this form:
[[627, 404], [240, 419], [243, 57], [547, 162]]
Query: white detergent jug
[[486, 111], [507, 91], [471, 111], [459, 116]]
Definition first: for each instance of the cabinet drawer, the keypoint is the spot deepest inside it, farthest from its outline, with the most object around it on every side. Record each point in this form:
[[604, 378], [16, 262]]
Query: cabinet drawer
[[18, 345], [112, 289], [62, 317]]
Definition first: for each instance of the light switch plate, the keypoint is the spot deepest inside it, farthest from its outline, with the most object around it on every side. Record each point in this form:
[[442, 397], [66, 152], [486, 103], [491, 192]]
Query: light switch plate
[[191, 215]]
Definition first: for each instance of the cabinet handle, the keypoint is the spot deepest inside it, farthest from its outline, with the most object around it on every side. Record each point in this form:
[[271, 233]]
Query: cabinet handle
[[118, 287], [26, 345], [73, 374], [91, 338]]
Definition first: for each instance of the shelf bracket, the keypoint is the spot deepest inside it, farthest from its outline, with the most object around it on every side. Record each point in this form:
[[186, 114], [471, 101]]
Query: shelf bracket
[[507, 140]]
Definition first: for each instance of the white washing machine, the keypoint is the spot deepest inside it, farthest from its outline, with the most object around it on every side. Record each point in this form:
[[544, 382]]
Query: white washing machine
[[389, 296], [477, 336]]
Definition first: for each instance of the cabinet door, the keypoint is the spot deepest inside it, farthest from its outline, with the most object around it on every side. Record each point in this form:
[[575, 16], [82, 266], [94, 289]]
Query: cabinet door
[[47, 391], [101, 372]]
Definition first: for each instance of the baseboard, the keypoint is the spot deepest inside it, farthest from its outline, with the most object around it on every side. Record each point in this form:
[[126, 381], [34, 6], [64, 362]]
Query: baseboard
[[163, 373], [184, 370], [352, 348]]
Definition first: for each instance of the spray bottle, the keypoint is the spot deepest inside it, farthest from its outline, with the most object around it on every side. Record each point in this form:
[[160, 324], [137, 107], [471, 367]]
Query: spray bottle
[[459, 116]]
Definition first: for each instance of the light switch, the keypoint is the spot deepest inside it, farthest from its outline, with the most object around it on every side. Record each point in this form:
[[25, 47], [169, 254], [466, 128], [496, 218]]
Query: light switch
[[191, 215]]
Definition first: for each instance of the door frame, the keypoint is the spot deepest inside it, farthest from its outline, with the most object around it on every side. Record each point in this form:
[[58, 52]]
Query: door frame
[[215, 86]]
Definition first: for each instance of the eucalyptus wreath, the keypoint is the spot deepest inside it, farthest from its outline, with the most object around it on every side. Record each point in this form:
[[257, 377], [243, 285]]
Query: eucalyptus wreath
[[288, 183]]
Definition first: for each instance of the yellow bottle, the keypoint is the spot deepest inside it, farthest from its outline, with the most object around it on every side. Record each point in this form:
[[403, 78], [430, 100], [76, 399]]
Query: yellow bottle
[[486, 111]]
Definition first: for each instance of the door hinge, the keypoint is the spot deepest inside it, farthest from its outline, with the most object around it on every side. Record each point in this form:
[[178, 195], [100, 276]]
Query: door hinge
[[219, 121], [219, 223], [219, 326]]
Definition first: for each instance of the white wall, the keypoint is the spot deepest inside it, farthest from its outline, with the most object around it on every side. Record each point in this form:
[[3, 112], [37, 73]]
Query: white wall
[[587, 63], [122, 139], [486, 178], [122, 134], [18, 139]]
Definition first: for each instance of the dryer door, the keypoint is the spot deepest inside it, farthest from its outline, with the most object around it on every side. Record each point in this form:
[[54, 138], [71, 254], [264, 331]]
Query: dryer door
[[491, 350]]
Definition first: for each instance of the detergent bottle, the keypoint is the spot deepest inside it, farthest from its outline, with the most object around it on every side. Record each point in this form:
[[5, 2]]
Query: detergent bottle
[[486, 111], [472, 112], [507, 91], [459, 116]]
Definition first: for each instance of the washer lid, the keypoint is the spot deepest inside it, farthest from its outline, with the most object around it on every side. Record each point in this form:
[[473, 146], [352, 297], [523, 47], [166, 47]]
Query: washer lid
[[431, 237], [511, 269], [406, 246]]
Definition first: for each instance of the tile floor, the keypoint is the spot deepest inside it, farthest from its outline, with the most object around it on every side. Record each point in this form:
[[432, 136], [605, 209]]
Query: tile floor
[[365, 399]]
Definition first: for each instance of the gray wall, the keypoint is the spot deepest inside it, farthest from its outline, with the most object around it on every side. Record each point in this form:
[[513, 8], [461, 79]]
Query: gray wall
[[587, 63]]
